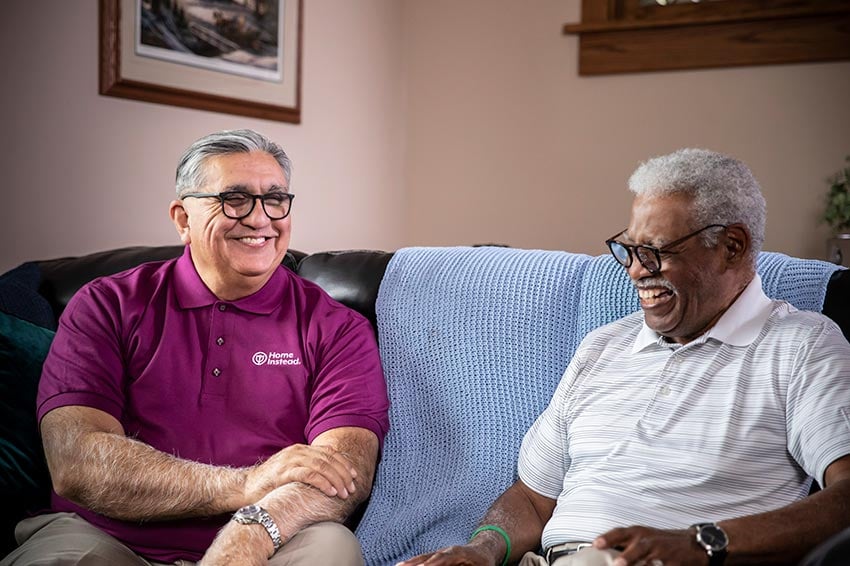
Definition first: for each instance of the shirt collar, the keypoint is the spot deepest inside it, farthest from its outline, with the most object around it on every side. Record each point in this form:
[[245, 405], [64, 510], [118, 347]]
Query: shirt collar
[[192, 292], [738, 326]]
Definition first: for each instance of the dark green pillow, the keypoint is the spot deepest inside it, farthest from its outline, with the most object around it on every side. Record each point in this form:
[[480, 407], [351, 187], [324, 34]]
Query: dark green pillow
[[24, 481]]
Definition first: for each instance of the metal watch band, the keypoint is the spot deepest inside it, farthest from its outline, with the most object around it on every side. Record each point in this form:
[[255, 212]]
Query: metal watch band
[[254, 514]]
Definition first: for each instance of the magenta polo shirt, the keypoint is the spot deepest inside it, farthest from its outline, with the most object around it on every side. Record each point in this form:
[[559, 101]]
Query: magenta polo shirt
[[221, 382]]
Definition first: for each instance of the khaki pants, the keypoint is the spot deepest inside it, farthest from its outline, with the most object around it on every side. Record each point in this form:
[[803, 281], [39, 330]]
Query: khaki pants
[[66, 539], [584, 557]]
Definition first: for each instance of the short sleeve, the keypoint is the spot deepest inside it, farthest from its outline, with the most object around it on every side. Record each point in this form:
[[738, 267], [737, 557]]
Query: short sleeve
[[818, 400], [349, 389], [544, 454], [85, 364]]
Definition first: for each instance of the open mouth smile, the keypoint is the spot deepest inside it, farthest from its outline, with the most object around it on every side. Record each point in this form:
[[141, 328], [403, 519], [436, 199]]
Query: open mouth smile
[[253, 240], [653, 297]]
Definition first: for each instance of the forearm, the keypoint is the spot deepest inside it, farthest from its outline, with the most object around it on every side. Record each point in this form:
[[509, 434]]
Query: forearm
[[126, 479], [785, 535], [295, 505], [522, 514], [93, 464]]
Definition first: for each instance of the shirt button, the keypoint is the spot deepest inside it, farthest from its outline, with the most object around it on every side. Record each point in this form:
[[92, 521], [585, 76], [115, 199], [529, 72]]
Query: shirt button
[[220, 341], [216, 372], [222, 307], [665, 391]]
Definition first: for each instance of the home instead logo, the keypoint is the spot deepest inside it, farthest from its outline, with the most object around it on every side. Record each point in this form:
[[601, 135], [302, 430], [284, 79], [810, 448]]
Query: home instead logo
[[275, 359]]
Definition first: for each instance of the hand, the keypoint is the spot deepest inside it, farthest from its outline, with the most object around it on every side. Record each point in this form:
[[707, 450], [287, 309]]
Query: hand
[[467, 555], [319, 466], [653, 547]]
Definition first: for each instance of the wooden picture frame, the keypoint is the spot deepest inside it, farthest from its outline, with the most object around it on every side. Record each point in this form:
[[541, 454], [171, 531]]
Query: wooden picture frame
[[125, 74]]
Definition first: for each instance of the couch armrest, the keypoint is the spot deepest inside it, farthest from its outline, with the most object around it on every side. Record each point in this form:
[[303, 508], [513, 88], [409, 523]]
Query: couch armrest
[[836, 304]]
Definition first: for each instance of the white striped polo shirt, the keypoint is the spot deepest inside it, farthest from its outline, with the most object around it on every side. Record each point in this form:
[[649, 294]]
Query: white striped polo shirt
[[643, 432]]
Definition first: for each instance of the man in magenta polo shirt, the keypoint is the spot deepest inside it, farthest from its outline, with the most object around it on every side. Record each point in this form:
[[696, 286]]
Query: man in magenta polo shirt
[[214, 407]]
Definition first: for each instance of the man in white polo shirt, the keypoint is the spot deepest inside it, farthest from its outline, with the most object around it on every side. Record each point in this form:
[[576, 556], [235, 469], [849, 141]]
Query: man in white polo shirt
[[701, 418]]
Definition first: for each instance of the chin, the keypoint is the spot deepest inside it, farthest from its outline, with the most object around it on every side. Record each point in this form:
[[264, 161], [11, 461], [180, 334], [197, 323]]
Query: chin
[[662, 329], [254, 269]]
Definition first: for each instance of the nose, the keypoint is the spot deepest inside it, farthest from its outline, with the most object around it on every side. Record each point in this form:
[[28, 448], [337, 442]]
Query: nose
[[637, 271], [257, 217]]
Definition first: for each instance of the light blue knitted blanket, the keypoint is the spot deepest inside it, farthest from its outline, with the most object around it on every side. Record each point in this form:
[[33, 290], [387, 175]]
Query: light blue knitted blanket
[[474, 342]]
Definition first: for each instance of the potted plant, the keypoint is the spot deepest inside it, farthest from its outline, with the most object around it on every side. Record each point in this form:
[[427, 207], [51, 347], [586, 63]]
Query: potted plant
[[837, 215]]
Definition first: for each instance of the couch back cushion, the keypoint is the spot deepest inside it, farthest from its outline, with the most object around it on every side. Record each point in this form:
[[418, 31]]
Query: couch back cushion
[[474, 341], [60, 278]]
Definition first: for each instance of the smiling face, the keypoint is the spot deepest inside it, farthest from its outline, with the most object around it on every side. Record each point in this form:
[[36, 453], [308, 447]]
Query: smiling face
[[234, 258], [696, 284]]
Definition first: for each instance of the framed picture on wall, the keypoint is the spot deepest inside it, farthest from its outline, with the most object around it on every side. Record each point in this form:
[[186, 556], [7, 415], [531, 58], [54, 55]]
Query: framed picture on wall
[[233, 56]]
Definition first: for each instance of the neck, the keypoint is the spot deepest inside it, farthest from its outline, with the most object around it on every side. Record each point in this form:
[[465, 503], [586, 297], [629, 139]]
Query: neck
[[233, 290]]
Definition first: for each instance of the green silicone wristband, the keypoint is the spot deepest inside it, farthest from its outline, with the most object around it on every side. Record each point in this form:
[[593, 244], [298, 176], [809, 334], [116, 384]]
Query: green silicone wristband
[[499, 530]]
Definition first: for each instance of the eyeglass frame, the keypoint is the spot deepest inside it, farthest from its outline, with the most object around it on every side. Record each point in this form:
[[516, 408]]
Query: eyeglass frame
[[254, 198], [632, 249]]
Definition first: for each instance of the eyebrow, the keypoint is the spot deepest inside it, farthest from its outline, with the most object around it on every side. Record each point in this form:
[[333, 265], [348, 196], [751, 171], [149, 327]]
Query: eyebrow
[[631, 242], [244, 189]]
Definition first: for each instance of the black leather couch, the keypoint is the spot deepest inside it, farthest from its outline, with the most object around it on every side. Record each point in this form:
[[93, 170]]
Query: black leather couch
[[39, 291]]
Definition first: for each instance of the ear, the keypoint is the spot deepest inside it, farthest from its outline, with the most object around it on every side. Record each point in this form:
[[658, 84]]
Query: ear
[[181, 220], [736, 243]]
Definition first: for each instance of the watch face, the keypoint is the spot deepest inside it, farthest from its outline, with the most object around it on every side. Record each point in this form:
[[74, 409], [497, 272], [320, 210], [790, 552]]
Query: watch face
[[713, 537], [250, 510]]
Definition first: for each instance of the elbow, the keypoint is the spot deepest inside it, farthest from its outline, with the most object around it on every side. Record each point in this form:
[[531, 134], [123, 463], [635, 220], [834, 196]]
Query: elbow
[[65, 474], [63, 483]]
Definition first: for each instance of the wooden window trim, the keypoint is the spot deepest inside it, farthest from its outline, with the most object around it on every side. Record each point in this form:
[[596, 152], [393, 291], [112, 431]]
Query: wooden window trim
[[619, 36]]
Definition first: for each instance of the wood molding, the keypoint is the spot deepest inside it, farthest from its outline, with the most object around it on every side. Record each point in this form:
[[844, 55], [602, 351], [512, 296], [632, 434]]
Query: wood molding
[[687, 38]]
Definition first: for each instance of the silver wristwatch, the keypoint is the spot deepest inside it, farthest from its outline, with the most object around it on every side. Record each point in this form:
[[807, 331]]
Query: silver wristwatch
[[256, 515]]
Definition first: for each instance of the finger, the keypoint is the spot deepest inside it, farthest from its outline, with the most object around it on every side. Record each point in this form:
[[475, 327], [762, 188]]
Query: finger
[[613, 538], [345, 463], [636, 552], [333, 465], [416, 560], [319, 467], [310, 477]]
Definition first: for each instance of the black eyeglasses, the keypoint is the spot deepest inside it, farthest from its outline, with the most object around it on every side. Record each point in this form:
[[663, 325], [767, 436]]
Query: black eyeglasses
[[239, 204], [648, 256]]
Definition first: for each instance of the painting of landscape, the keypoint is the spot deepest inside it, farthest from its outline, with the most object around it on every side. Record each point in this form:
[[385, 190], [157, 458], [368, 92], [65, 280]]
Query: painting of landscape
[[231, 36]]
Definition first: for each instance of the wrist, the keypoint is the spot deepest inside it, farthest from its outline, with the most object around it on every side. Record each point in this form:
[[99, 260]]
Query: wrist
[[712, 540], [240, 544], [494, 540], [258, 519]]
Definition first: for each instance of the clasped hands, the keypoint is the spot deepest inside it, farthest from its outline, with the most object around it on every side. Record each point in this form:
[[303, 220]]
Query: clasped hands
[[319, 466], [640, 546]]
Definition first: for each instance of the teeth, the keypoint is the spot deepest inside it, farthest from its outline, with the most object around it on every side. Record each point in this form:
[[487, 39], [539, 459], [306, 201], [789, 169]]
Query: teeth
[[252, 240], [647, 294]]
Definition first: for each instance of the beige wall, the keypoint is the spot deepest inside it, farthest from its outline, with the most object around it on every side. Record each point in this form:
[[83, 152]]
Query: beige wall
[[506, 143], [435, 122], [85, 172]]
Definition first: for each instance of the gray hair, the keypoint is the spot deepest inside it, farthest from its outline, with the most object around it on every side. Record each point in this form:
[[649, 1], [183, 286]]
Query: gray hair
[[724, 190], [191, 170]]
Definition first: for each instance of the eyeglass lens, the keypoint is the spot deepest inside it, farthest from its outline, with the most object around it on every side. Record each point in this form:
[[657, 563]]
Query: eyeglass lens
[[240, 205], [645, 255]]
